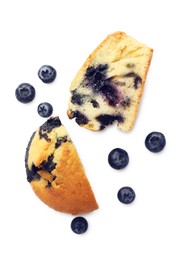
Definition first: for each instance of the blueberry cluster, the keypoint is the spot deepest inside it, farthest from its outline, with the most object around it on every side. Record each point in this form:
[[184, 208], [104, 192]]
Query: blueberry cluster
[[118, 159], [25, 92], [45, 109]]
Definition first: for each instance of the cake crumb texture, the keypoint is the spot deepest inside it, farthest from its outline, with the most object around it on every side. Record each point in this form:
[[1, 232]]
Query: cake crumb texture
[[109, 85]]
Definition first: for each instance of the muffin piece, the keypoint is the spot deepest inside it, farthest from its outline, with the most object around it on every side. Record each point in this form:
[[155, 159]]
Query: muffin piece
[[55, 172], [110, 84]]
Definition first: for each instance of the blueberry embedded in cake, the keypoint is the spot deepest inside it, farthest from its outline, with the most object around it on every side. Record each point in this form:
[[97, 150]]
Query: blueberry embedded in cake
[[55, 172], [109, 86]]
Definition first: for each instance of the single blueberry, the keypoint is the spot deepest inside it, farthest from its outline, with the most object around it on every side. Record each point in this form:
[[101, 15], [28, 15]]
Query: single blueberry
[[98, 76], [111, 94], [45, 109], [94, 103], [90, 72], [118, 158], [81, 119], [47, 74], [126, 195], [155, 142], [95, 77], [78, 99], [79, 225], [25, 93]]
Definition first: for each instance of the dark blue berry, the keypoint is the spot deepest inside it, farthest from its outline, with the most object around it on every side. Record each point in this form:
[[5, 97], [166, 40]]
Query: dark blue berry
[[126, 195], [47, 73], [155, 142], [45, 109], [78, 99], [110, 92], [94, 103], [95, 76], [80, 118], [79, 225], [25, 93], [106, 119], [118, 158]]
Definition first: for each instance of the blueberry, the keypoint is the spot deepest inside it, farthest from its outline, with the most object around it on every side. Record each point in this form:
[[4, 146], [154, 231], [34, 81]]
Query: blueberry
[[45, 109], [25, 93], [79, 225], [81, 119], [126, 195], [95, 76], [94, 103], [105, 119], [111, 94], [32, 174], [118, 158], [78, 99], [47, 73], [155, 142]]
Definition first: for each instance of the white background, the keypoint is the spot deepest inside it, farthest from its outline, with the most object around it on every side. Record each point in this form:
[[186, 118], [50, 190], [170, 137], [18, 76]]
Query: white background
[[63, 34]]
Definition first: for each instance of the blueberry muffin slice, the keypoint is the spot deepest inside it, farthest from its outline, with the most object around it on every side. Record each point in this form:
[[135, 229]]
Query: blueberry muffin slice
[[109, 85], [55, 172]]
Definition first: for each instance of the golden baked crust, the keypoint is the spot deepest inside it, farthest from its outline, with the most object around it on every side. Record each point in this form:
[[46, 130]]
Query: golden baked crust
[[109, 85], [55, 172]]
